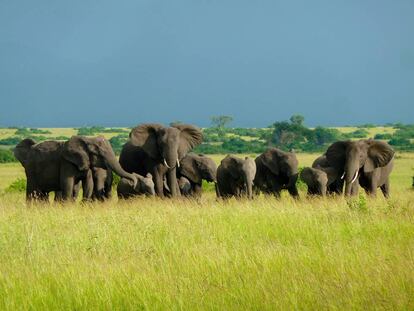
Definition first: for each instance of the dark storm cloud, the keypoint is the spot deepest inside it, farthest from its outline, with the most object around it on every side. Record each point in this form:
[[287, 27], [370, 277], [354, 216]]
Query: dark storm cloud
[[73, 63]]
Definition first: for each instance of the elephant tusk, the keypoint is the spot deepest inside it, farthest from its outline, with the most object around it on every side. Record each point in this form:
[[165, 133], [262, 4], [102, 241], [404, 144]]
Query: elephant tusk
[[356, 176], [343, 176], [166, 164], [178, 163]]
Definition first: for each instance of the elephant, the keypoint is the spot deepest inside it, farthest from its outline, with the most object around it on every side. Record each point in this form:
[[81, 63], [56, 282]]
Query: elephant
[[158, 150], [276, 170], [59, 166], [368, 162], [235, 177], [315, 179], [102, 183], [335, 184], [195, 168], [185, 186], [144, 186]]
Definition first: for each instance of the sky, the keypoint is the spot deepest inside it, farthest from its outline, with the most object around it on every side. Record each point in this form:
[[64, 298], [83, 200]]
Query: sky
[[120, 63]]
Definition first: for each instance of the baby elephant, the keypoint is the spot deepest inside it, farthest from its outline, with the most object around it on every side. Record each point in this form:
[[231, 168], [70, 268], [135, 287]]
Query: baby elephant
[[315, 179], [145, 186], [235, 177]]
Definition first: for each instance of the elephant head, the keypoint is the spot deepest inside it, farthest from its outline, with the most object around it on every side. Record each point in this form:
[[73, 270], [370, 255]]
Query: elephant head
[[145, 184], [243, 170], [281, 163], [315, 179], [89, 152], [350, 157], [197, 167], [22, 149], [167, 145]]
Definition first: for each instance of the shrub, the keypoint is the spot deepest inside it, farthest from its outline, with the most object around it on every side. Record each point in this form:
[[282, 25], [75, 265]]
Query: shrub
[[7, 156], [19, 185]]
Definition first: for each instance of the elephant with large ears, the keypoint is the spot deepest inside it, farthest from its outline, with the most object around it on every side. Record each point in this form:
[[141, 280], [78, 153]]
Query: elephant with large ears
[[276, 170], [235, 177], [366, 162], [58, 166], [158, 150], [194, 169]]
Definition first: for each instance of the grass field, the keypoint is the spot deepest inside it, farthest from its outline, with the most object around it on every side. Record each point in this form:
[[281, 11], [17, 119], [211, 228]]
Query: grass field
[[157, 254]]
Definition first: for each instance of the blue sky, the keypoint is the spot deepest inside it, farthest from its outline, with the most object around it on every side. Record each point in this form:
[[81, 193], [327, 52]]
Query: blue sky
[[119, 63]]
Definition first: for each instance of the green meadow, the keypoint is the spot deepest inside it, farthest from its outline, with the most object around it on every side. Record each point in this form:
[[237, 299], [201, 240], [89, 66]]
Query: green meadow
[[265, 254]]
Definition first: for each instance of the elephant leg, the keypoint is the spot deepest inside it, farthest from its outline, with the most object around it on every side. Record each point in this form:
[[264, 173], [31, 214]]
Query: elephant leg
[[197, 190], [293, 191], [159, 184], [385, 188], [355, 189], [67, 188], [87, 186], [29, 190]]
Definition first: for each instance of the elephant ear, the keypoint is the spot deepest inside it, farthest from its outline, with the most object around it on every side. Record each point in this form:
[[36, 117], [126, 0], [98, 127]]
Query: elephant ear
[[271, 159], [379, 155], [307, 175], [190, 169], [75, 151], [145, 136], [190, 137], [336, 154]]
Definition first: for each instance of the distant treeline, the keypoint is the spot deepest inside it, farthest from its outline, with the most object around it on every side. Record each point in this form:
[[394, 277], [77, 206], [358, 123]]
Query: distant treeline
[[287, 135]]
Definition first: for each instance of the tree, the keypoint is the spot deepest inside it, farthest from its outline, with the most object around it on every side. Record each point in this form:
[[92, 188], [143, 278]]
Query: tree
[[220, 121], [297, 119]]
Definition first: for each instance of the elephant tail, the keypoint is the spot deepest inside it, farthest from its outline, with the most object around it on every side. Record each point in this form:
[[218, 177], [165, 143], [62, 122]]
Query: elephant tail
[[22, 149]]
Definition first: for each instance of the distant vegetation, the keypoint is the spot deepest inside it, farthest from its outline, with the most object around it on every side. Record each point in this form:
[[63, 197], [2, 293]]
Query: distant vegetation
[[291, 134]]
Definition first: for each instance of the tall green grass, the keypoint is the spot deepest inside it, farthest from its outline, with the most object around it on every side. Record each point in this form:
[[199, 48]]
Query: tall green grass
[[178, 254]]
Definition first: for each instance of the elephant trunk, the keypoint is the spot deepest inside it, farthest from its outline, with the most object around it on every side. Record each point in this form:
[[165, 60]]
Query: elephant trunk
[[171, 161], [116, 167], [172, 182], [249, 187], [351, 176]]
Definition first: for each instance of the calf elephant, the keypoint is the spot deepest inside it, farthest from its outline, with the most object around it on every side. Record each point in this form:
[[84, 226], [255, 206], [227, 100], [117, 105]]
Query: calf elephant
[[195, 168], [276, 170], [144, 186], [335, 183], [235, 177], [59, 166], [155, 149], [102, 183], [315, 179], [366, 161]]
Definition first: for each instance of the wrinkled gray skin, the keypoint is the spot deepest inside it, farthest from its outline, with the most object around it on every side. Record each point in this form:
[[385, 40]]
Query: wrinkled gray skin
[[316, 180], [59, 166], [276, 170], [102, 183], [144, 186], [366, 162], [235, 177], [196, 168], [155, 149], [185, 186], [335, 184]]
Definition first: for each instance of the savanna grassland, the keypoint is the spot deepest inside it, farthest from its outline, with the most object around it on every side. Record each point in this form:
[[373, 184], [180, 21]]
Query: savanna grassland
[[158, 254]]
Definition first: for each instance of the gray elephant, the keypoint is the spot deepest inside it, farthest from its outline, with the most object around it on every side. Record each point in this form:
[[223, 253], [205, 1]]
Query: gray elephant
[[315, 179], [195, 168], [276, 170], [144, 186], [367, 162], [235, 177], [59, 166], [102, 183], [335, 183], [155, 149]]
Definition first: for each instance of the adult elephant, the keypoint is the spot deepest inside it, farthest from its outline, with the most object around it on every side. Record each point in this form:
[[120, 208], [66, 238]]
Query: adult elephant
[[276, 170], [368, 161], [194, 168], [59, 166], [235, 177], [158, 150]]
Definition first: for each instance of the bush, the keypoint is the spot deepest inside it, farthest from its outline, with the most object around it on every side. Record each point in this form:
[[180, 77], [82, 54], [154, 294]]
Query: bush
[[385, 136], [7, 156], [19, 185]]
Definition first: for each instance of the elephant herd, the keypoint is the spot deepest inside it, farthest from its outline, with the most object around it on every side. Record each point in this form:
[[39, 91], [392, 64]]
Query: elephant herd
[[157, 160]]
